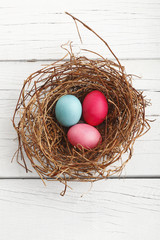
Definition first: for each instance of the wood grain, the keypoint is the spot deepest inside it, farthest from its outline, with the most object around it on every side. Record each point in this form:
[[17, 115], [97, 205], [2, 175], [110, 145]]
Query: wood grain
[[31, 33], [112, 209], [36, 29]]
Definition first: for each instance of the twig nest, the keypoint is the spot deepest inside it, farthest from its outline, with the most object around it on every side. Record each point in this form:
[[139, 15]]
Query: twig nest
[[45, 141]]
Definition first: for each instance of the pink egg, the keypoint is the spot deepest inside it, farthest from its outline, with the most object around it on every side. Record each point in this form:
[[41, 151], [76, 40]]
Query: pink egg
[[95, 108], [84, 135]]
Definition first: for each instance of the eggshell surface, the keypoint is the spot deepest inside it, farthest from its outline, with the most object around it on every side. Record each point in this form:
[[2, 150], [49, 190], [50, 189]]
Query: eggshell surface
[[68, 110], [84, 135], [95, 108]]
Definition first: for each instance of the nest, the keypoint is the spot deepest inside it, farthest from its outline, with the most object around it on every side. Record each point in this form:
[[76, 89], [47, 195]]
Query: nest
[[44, 140]]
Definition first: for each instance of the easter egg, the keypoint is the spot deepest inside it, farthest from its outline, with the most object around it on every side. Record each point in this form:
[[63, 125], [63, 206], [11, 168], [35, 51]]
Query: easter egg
[[68, 110], [85, 135], [95, 108]]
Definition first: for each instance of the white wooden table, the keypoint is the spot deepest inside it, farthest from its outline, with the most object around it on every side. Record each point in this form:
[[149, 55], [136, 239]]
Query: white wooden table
[[31, 33]]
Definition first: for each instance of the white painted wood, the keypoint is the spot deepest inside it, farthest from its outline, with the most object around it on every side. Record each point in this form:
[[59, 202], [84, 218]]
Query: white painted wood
[[36, 29], [113, 209], [12, 74], [7, 131], [7, 106], [145, 161]]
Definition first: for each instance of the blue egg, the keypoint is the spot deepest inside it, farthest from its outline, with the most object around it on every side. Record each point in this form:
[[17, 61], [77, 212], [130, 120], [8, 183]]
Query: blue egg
[[68, 110]]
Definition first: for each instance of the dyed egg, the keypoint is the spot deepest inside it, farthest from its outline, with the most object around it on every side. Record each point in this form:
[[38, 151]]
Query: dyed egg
[[68, 110], [95, 108], [85, 135]]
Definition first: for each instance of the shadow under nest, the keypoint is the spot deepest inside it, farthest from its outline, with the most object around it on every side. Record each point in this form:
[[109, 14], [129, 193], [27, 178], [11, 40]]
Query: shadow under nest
[[44, 140]]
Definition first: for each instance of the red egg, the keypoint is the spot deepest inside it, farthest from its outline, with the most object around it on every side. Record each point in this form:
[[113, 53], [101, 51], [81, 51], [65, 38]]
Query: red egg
[[95, 108], [84, 135]]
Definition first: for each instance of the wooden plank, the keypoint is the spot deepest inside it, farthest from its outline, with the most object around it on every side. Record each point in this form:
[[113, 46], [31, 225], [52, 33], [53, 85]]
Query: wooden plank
[[36, 30], [7, 106], [117, 209], [145, 160], [12, 74], [7, 131]]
